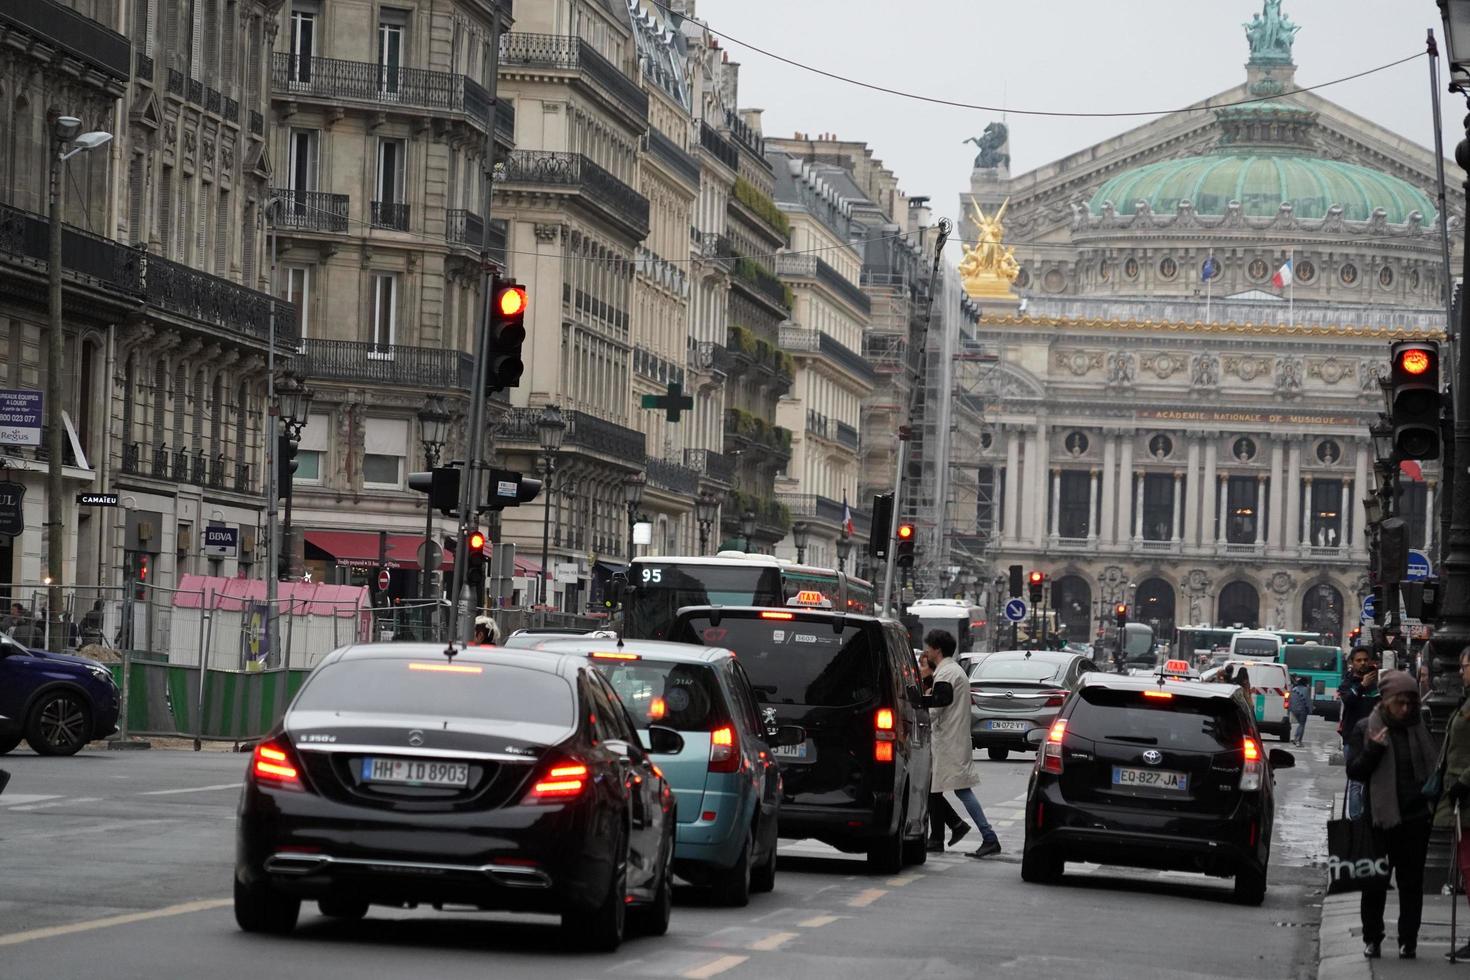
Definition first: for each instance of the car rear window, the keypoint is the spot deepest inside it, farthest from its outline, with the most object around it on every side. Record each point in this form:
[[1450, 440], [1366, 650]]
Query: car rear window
[[440, 689], [796, 662], [1178, 722], [685, 697], [1018, 669], [1255, 646]]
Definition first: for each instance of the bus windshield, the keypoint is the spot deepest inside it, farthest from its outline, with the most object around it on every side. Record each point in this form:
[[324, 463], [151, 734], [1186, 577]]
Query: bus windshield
[[1313, 658], [659, 590], [1138, 641]]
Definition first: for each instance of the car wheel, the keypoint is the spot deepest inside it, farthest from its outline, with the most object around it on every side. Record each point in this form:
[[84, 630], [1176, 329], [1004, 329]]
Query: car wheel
[[653, 919], [1041, 867], [763, 877], [342, 908], [732, 887], [916, 851], [59, 724], [997, 755], [601, 929], [259, 908], [8, 742], [1250, 885], [886, 856]]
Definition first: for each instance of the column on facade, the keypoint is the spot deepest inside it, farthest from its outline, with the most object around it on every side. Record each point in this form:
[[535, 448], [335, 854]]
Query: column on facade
[[1352, 535], [1138, 508], [1033, 504], [1053, 515], [1342, 512], [1190, 531], [1280, 537], [1125, 491], [1294, 505], [1260, 510], [1224, 509], [1013, 484], [1109, 488], [1429, 516], [1178, 530], [1306, 492], [1094, 504], [1206, 530]]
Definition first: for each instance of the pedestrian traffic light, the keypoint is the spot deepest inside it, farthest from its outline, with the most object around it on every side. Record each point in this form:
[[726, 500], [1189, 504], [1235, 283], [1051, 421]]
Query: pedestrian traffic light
[[882, 521], [904, 552], [1034, 582], [1415, 399], [1120, 614], [442, 486], [1017, 574], [140, 575], [286, 464], [504, 366], [509, 489]]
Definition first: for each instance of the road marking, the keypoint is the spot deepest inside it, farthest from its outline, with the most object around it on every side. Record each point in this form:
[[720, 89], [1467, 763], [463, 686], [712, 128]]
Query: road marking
[[900, 882], [817, 921], [95, 828], [51, 932], [64, 801], [191, 789], [774, 941], [18, 799], [866, 897], [714, 968]]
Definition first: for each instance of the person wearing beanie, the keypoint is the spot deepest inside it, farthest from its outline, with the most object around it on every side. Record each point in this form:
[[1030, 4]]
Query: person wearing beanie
[[1391, 754]]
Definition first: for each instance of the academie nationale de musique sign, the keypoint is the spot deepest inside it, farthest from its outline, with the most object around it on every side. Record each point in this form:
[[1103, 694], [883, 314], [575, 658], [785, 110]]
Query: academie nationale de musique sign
[[1214, 417]]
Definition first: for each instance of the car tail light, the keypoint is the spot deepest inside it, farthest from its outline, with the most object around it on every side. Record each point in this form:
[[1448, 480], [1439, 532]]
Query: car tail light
[[769, 614], [273, 765], [1055, 698], [1250, 770], [883, 735], [882, 751], [1051, 749], [563, 781], [1286, 701], [723, 756], [1161, 695]]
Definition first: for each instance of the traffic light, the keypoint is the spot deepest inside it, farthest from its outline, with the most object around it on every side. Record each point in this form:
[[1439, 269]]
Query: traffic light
[[904, 553], [140, 575], [474, 554], [882, 521], [507, 333], [1415, 399], [442, 486], [1017, 573], [1393, 550], [509, 489], [1034, 582], [285, 463], [1120, 614]]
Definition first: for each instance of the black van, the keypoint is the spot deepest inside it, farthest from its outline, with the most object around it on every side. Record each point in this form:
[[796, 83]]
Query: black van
[[860, 780]]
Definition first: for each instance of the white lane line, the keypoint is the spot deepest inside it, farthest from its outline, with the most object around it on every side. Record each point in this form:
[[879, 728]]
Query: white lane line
[[866, 897], [714, 967], [65, 801], [94, 829], [774, 941], [51, 932], [817, 921], [18, 799], [191, 789]]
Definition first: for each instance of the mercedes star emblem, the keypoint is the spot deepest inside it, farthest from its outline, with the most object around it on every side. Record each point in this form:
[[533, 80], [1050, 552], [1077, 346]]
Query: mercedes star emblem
[[416, 738], [1153, 757], [1010, 694]]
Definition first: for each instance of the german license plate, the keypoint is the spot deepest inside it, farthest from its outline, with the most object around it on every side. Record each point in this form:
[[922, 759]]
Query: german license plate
[[1006, 726], [792, 753], [1161, 779], [415, 772]]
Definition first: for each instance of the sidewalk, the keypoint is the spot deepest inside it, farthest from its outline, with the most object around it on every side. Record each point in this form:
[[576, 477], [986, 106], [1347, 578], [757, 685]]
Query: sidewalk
[[1340, 942]]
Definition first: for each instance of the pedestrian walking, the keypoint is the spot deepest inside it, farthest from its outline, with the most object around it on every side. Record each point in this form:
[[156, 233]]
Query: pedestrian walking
[[942, 815], [1301, 707], [1455, 780], [953, 767], [1357, 696], [486, 633], [1393, 756]]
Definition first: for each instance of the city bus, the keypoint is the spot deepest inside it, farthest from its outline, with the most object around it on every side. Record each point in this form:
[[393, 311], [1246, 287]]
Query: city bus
[[1193, 642], [955, 616], [658, 586], [1323, 668]]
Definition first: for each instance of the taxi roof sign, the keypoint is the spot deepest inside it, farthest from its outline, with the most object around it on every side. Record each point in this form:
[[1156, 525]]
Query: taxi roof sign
[[1177, 667], [810, 598]]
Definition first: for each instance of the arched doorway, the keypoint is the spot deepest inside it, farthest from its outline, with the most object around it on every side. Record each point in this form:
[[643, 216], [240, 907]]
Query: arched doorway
[[1071, 597], [1153, 604], [1322, 612], [1240, 604]]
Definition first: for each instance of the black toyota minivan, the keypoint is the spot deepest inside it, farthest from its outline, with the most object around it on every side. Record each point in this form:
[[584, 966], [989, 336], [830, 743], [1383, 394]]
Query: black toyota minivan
[[860, 780]]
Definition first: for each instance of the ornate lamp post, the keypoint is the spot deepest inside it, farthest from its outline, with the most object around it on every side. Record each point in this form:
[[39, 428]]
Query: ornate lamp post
[[844, 550], [747, 528], [706, 508], [433, 433], [633, 494], [801, 533], [550, 427], [294, 403]]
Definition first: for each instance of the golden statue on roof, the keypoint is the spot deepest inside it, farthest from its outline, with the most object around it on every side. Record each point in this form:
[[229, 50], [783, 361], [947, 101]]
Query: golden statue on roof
[[989, 267]]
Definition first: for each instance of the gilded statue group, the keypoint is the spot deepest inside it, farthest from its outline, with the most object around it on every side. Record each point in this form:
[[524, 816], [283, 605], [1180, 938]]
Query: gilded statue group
[[988, 267]]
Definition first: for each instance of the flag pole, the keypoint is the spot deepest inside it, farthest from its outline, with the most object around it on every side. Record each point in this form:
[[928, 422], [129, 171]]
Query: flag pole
[[1209, 283], [1291, 288]]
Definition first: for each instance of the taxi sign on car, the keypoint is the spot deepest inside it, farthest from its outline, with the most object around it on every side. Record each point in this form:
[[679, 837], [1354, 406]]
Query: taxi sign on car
[[1178, 668], [810, 599]]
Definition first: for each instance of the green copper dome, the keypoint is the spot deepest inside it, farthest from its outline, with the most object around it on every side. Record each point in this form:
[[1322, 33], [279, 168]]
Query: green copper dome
[[1262, 181]]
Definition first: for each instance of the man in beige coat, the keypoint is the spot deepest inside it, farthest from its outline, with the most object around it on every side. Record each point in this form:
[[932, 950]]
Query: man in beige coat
[[953, 768]]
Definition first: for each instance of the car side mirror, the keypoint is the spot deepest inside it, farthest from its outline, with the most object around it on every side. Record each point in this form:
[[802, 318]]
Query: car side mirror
[[663, 740], [1280, 759], [1035, 737], [788, 735]]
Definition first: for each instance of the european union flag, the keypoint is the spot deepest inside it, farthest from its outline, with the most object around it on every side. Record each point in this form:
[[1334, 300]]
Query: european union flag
[[1209, 270]]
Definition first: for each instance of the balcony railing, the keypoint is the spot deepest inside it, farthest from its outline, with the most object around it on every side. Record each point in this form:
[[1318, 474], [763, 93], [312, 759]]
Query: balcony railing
[[583, 431], [820, 508], [143, 67], [380, 85], [174, 82], [811, 267], [213, 101], [719, 147], [463, 227], [184, 465], [231, 111], [746, 137], [716, 466], [769, 513], [505, 122], [312, 210], [386, 364], [496, 239], [669, 153], [575, 170], [672, 476], [573, 54], [846, 435], [756, 432], [715, 247], [103, 261], [392, 215], [801, 339], [818, 424], [196, 91], [750, 272], [61, 27], [257, 123]]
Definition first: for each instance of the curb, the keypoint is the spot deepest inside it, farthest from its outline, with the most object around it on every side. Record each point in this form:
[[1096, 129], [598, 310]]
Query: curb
[[128, 744], [1336, 932]]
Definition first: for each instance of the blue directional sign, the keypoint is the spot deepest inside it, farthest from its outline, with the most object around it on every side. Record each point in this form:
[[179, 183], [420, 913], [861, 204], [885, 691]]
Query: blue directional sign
[[1419, 567], [1016, 610], [1369, 607]]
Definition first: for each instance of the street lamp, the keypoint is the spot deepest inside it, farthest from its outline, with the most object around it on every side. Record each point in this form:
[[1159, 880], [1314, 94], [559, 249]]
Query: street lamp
[[433, 433], [801, 533], [1382, 436], [706, 508], [293, 402], [633, 494], [550, 427], [65, 132], [747, 528], [844, 550]]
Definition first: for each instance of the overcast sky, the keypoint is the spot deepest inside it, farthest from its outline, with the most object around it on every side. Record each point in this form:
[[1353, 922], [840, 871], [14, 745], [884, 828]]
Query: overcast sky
[[1075, 55]]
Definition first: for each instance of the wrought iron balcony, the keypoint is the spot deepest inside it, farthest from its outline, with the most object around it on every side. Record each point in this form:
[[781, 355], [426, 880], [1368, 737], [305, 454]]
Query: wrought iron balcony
[[846, 435], [463, 227], [59, 27], [212, 101], [669, 153], [560, 51], [716, 466], [505, 122], [386, 364], [583, 432], [182, 465], [100, 261], [811, 267], [311, 210], [672, 476], [257, 123], [765, 284], [715, 247], [143, 67], [196, 91], [174, 82], [332, 79], [754, 432], [770, 514], [497, 235], [600, 188], [818, 424], [746, 137], [221, 304], [818, 507], [231, 111], [816, 342], [392, 215], [722, 149]]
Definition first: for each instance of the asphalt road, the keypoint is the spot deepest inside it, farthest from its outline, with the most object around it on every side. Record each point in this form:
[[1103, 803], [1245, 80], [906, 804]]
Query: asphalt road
[[117, 864]]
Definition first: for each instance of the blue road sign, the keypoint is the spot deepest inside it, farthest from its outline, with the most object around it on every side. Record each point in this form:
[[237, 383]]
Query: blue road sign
[[1419, 567], [1016, 610], [1369, 606]]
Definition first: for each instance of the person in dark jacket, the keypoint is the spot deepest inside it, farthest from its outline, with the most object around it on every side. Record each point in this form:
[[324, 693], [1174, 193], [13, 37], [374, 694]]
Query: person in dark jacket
[[1357, 696], [1456, 761], [1392, 755], [1301, 707]]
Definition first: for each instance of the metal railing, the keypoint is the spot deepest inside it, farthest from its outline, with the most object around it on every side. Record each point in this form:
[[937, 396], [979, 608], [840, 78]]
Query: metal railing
[[231, 110], [212, 101], [750, 272], [719, 147], [746, 136], [497, 236], [463, 227], [802, 339], [368, 81], [183, 465], [257, 123], [583, 431], [818, 424], [811, 267], [846, 435], [392, 215], [312, 210], [61, 27], [174, 82], [672, 476], [575, 170], [196, 91], [519, 49], [386, 364], [142, 67], [669, 152], [717, 466], [218, 302], [106, 262]]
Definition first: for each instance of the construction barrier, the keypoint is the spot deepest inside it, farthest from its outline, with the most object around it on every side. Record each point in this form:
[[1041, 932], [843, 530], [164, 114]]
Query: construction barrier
[[164, 700]]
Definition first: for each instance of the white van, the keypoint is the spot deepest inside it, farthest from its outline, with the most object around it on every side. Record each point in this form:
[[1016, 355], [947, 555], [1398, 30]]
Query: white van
[[1267, 689], [1255, 645]]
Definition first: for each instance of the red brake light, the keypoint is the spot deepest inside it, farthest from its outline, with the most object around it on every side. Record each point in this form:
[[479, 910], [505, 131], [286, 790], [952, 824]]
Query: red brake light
[[1058, 729], [883, 721], [882, 751], [1051, 750], [1252, 752], [723, 756], [1055, 699], [776, 614], [272, 764], [561, 782], [1163, 695]]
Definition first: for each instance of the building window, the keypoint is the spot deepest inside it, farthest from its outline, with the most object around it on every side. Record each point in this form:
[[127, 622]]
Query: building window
[[303, 47], [311, 457], [1326, 523], [385, 447], [391, 34], [385, 310], [298, 293], [301, 169], [389, 211], [1240, 510], [1075, 517], [381, 472], [1158, 507], [309, 466]]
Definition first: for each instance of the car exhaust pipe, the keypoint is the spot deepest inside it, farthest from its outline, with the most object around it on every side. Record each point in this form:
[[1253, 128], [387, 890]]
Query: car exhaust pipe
[[294, 864]]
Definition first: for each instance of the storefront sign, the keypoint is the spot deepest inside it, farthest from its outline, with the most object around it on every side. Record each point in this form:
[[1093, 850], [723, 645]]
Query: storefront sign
[[12, 509], [221, 542], [20, 417], [97, 499], [566, 572]]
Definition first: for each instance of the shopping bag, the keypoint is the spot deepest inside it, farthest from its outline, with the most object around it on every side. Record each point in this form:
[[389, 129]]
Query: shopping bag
[[1356, 858]]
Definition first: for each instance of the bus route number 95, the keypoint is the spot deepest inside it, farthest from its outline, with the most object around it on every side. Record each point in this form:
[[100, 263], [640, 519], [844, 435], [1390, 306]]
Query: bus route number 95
[[653, 575]]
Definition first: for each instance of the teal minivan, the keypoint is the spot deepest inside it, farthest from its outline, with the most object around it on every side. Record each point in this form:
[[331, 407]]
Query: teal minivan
[[726, 781]]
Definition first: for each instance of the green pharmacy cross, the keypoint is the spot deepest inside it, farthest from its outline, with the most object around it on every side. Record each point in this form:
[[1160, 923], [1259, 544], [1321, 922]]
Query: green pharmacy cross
[[674, 403]]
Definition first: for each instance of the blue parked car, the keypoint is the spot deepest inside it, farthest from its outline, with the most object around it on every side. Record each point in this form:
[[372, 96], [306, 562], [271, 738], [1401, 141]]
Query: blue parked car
[[726, 781], [55, 701]]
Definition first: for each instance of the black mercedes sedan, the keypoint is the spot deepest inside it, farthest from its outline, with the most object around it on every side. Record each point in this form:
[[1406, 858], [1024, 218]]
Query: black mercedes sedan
[[409, 774]]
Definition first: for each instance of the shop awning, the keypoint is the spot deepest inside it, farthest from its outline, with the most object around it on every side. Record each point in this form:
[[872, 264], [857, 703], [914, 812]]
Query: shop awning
[[359, 549], [527, 566]]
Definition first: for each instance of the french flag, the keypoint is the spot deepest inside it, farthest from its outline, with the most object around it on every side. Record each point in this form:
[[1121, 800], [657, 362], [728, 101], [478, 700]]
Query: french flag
[[1282, 279], [847, 517]]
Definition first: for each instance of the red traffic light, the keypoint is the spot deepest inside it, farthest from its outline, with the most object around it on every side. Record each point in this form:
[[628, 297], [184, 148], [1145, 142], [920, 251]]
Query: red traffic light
[[1036, 578], [1415, 361], [477, 540], [905, 532], [511, 301], [1122, 609]]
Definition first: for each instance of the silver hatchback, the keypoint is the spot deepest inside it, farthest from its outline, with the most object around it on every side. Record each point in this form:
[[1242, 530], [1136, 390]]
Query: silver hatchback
[[1015, 691]]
